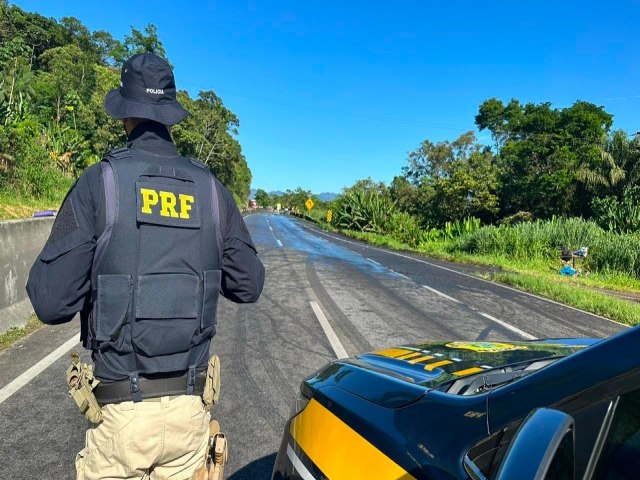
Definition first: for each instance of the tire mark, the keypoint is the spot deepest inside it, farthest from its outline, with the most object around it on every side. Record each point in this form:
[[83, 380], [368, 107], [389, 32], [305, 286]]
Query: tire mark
[[341, 321]]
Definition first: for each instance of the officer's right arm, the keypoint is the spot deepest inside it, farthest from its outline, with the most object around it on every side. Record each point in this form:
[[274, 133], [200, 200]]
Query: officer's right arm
[[60, 278], [242, 270]]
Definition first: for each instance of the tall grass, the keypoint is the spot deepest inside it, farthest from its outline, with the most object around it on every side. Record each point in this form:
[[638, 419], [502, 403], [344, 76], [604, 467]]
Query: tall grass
[[609, 252]]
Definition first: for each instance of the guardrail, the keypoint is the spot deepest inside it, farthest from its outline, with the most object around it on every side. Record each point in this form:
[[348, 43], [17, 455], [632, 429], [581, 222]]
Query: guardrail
[[20, 243]]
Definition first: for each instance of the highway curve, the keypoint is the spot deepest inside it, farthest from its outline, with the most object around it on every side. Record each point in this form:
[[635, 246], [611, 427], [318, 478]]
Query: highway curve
[[324, 296]]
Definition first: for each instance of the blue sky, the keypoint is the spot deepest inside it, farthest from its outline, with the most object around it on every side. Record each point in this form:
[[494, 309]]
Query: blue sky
[[331, 92]]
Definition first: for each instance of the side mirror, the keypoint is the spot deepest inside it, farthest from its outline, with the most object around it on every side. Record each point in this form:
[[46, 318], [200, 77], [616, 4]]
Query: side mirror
[[542, 448]]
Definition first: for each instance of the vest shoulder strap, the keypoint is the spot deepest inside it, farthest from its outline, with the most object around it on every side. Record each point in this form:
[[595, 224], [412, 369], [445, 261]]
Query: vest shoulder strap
[[118, 153], [111, 212], [216, 208], [198, 163], [215, 212]]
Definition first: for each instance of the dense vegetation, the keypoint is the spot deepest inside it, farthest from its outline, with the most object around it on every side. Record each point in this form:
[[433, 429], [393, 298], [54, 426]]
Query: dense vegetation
[[552, 178], [53, 79]]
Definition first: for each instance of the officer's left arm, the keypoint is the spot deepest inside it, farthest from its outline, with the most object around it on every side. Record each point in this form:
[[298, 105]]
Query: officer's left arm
[[242, 270], [60, 278]]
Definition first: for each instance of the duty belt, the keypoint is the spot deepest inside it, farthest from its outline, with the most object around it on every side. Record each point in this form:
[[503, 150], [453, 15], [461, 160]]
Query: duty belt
[[149, 388]]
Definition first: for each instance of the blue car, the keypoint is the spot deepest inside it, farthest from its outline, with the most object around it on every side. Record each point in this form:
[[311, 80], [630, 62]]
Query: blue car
[[555, 408]]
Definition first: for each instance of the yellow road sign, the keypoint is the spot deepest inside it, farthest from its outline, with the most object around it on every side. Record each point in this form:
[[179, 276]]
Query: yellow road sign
[[329, 215], [309, 203]]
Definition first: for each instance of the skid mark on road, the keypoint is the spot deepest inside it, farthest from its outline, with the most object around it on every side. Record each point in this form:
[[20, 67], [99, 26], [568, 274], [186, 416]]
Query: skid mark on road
[[480, 279]]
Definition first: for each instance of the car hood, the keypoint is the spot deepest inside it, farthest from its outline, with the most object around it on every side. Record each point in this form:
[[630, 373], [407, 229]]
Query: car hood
[[398, 376], [430, 364]]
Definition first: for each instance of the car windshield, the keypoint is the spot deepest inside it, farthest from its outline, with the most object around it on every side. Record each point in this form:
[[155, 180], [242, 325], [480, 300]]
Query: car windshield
[[494, 378]]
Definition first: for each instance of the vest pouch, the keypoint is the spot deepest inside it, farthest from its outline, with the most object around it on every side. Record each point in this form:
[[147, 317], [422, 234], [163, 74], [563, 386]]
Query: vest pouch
[[112, 309], [166, 313]]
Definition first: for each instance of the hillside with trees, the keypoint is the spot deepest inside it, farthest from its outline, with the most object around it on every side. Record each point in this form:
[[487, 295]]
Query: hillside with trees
[[54, 75]]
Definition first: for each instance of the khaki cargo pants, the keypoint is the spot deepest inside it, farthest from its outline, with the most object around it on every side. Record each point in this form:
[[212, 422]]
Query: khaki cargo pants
[[161, 439]]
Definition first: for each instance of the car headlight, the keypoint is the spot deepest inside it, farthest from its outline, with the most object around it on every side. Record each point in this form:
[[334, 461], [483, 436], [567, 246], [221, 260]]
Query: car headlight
[[299, 404]]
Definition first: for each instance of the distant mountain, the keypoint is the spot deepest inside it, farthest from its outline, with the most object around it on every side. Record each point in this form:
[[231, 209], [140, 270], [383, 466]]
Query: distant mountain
[[327, 196]]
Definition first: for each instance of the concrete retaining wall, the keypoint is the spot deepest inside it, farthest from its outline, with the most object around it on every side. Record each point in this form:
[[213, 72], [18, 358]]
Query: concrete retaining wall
[[20, 243]]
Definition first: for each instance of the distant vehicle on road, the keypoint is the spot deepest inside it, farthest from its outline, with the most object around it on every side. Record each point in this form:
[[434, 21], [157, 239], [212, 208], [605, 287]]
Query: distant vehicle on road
[[545, 409]]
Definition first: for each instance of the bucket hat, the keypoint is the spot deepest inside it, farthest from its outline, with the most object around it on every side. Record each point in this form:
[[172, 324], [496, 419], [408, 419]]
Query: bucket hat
[[147, 90]]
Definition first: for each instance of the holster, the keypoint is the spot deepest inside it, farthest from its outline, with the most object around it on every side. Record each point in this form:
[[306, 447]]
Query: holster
[[216, 456], [81, 384], [211, 393]]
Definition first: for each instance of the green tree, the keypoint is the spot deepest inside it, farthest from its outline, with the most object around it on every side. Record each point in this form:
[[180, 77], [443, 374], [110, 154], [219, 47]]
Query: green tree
[[208, 134], [67, 72], [16, 90], [262, 198], [540, 152], [138, 42], [450, 181]]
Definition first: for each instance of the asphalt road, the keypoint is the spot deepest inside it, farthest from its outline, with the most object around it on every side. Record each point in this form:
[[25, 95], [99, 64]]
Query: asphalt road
[[369, 297]]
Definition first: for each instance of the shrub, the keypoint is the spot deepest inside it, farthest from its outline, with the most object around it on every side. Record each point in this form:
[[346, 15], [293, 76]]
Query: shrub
[[362, 210], [405, 228]]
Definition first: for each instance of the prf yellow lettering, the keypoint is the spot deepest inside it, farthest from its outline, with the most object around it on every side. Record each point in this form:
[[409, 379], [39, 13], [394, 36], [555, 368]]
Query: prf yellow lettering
[[185, 204], [149, 198], [168, 202]]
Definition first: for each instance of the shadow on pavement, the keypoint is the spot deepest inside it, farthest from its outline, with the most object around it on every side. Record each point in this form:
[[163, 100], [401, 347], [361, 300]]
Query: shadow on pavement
[[257, 470]]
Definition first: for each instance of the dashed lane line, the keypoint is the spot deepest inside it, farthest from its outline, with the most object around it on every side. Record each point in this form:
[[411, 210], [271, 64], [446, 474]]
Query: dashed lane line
[[279, 242], [443, 295], [338, 349], [20, 381], [506, 287], [522, 333]]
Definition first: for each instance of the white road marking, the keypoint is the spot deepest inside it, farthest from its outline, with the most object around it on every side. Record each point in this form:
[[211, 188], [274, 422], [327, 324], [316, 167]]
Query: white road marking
[[509, 327], [270, 228], [20, 381], [443, 295], [399, 274], [328, 331], [298, 465], [279, 242], [501, 285], [372, 261]]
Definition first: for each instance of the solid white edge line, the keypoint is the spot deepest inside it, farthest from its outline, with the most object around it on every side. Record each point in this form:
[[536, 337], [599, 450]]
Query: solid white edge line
[[522, 333], [298, 465], [443, 295], [338, 349], [470, 276], [20, 381], [279, 242]]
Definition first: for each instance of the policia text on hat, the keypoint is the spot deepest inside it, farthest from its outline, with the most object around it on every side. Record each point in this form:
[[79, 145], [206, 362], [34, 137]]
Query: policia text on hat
[[143, 245]]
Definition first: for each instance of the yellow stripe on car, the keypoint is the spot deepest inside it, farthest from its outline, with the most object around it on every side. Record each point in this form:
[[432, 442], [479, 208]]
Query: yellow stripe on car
[[394, 352], [442, 363], [408, 356], [468, 371], [338, 450], [421, 359]]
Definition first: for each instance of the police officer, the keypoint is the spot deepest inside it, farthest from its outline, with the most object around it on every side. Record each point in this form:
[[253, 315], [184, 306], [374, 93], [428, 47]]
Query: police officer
[[143, 245]]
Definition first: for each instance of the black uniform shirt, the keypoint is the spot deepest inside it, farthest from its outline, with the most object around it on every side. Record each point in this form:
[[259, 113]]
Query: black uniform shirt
[[59, 283]]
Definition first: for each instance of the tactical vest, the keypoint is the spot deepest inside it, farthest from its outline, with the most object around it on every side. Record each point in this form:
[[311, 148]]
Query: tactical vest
[[156, 269]]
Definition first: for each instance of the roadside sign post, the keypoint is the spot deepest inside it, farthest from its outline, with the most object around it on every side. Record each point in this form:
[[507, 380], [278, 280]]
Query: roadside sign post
[[309, 204]]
